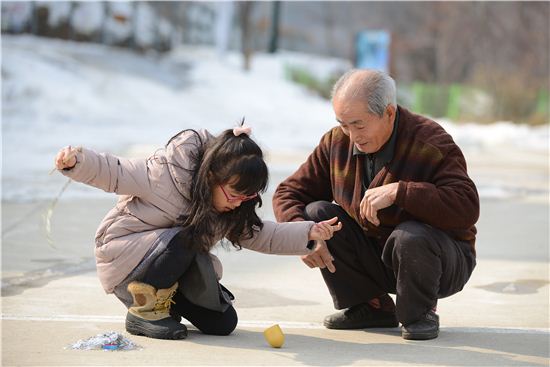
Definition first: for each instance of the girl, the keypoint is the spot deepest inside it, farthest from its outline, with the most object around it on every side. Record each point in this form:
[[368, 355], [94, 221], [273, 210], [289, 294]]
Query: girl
[[152, 248]]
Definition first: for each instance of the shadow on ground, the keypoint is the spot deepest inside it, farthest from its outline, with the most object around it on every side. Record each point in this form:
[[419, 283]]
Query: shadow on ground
[[453, 348], [519, 286]]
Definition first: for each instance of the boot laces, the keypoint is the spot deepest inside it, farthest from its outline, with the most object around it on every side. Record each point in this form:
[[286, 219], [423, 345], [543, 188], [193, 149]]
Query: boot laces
[[164, 304]]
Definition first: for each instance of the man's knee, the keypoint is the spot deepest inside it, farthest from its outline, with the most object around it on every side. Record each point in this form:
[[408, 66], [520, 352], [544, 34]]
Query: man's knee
[[408, 241], [320, 210]]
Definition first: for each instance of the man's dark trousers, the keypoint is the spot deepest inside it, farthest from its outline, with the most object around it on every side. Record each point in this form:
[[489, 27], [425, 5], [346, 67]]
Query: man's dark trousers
[[418, 262]]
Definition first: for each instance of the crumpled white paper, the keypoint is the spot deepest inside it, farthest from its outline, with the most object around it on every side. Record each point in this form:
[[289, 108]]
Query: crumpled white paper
[[110, 340]]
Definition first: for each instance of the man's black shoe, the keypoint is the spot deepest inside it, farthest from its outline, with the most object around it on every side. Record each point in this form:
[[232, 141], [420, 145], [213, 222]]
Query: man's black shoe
[[361, 316], [425, 328]]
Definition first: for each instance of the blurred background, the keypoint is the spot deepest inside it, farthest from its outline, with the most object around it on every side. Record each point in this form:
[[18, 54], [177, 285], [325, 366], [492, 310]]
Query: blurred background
[[124, 77], [486, 61]]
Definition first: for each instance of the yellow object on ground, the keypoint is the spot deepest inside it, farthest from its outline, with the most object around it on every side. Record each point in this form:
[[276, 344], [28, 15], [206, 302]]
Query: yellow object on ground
[[274, 336]]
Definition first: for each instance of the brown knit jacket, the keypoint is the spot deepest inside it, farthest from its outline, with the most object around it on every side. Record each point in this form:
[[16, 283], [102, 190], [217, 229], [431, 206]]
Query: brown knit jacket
[[434, 186]]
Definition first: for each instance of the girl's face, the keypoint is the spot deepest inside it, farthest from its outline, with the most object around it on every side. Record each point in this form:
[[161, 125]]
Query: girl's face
[[225, 198]]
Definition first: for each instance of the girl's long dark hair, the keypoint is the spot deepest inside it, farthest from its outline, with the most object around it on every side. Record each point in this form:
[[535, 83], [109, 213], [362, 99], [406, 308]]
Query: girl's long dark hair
[[222, 159]]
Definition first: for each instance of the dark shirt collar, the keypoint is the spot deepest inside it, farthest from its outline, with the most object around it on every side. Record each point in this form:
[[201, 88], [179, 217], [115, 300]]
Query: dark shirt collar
[[385, 154]]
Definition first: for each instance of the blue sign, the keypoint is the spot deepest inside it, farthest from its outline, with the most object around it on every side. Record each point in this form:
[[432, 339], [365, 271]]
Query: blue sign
[[372, 50]]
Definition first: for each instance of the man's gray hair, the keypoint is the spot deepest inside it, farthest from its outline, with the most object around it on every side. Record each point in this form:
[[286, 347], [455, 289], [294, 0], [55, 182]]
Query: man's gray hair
[[373, 86]]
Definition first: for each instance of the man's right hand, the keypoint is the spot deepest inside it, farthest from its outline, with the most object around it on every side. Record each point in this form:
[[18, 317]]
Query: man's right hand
[[320, 257]]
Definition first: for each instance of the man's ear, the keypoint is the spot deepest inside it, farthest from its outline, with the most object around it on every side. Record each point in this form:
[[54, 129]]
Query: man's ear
[[390, 111]]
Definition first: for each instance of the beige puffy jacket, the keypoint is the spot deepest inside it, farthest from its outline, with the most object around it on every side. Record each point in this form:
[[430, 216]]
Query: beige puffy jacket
[[153, 195]]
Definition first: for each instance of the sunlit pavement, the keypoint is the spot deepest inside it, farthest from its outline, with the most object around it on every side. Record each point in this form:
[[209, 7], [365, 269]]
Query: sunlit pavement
[[499, 319]]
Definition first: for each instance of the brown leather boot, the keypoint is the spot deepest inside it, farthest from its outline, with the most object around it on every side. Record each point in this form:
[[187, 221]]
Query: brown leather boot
[[149, 315]]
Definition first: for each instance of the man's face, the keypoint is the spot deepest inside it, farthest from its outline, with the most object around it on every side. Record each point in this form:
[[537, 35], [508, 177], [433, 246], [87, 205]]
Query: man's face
[[367, 131]]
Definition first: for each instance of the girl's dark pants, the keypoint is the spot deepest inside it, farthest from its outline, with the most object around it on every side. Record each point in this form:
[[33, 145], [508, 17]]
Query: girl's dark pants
[[418, 263], [167, 268]]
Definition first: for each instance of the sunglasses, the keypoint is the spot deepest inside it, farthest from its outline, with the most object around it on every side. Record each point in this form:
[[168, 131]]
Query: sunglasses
[[231, 198]]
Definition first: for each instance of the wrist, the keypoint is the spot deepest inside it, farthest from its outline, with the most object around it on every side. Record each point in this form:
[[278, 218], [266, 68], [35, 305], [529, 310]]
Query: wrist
[[70, 167], [394, 192], [400, 194]]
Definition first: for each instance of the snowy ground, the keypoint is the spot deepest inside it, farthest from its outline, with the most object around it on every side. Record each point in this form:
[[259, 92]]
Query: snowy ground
[[56, 93]]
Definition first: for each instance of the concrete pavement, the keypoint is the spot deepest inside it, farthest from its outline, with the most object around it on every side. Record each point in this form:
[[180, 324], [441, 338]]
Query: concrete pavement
[[51, 298], [500, 319]]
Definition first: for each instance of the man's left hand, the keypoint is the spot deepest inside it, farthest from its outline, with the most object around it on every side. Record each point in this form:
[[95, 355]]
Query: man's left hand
[[376, 199], [320, 257]]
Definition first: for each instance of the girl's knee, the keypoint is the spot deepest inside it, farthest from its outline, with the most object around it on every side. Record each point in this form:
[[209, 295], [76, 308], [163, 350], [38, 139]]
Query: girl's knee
[[225, 325], [230, 321]]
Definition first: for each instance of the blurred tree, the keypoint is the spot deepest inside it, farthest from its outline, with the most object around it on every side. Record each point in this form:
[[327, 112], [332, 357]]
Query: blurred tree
[[274, 29], [245, 11], [501, 48]]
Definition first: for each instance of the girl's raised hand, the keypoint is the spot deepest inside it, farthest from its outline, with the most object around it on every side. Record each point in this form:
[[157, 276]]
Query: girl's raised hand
[[324, 230], [66, 157]]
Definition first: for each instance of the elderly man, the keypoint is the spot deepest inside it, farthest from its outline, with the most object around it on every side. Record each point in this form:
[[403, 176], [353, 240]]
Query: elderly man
[[399, 184]]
